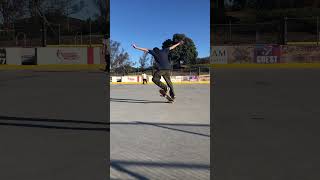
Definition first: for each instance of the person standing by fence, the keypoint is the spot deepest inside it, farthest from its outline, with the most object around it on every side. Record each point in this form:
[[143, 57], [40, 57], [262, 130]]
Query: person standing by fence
[[144, 78], [106, 52]]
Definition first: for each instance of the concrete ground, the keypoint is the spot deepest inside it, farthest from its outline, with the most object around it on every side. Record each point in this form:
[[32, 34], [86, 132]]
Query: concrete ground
[[53, 125], [266, 124], [151, 139]]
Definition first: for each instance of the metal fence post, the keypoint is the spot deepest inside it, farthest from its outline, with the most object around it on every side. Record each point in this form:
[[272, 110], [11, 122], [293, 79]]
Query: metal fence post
[[25, 39], [257, 33], [81, 38], [285, 31], [59, 34], [317, 30], [230, 30], [90, 32]]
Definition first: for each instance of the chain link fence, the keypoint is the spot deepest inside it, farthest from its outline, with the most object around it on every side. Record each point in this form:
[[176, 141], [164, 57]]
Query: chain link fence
[[55, 34], [267, 33], [302, 30], [282, 31], [49, 28]]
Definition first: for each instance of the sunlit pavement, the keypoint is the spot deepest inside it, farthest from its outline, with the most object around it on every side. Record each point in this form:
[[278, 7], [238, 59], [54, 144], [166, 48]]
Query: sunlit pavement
[[151, 139]]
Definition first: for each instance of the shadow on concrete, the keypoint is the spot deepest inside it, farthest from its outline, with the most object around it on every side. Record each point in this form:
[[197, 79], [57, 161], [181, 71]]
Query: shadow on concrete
[[136, 101], [167, 126], [122, 169], [39, 123], [175, 129], [122, 165]]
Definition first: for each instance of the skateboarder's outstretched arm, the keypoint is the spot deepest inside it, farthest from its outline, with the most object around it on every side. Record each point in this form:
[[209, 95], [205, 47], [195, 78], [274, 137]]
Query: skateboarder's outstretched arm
[[174, 46], [141, 49]]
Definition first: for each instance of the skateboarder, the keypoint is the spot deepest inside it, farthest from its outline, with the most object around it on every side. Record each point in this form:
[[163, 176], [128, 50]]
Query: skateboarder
[[163, 68]]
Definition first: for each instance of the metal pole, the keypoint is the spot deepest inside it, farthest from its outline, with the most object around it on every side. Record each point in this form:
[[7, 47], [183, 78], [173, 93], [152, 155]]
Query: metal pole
[[230, 30], [90, 31], [317, 30], [257, 33], [285, 30], [59, 35], [81, 38], [76, 38], [25, 40]]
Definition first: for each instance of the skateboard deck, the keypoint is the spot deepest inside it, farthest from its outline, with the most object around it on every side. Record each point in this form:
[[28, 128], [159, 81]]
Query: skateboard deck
[[163, 94]]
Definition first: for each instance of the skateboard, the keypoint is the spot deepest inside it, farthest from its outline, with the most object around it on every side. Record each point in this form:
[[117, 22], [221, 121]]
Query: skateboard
[[163, 94]]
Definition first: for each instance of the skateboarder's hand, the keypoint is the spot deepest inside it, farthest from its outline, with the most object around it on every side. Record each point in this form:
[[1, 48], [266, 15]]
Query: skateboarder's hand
[[181, 42], [134, 46]]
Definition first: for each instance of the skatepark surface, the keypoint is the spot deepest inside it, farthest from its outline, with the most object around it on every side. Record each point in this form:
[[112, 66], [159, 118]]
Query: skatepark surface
[[152, 139], [265, 123], [53, 125]]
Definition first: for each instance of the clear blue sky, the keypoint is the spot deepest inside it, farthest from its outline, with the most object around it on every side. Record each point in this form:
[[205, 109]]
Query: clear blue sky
[[150, 22]]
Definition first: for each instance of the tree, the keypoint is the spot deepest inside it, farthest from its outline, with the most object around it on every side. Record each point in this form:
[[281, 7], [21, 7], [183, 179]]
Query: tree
[[185, 54], [119, 59], [57, 7], [103, 16], [143, 61], [10, 10], [56, 11]]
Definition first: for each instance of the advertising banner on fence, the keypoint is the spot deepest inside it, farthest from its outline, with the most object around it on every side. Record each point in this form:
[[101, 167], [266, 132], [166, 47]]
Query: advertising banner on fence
[[204, 78], [3, 56], [69, 56], [193, 78], [176, 78], [219, 55], [130, 79], [240, 54], [116, 79], [62, 55], [267, 54], [28, 56], [300, 54]]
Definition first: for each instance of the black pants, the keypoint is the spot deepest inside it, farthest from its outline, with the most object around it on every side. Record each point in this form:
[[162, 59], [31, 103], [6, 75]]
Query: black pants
[[145, 80], [166, 76]]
